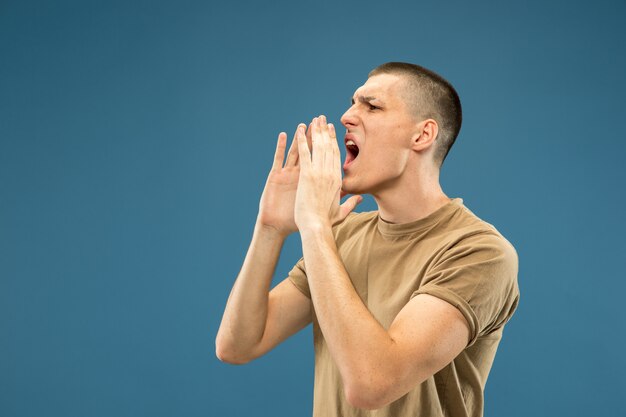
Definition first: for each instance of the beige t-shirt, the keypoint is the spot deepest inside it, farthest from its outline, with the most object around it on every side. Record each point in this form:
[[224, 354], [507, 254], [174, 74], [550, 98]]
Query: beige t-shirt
[[450, 254]]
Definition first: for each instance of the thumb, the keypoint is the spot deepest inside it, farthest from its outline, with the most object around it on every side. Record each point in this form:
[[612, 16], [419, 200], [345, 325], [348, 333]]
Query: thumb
[[349, 205]]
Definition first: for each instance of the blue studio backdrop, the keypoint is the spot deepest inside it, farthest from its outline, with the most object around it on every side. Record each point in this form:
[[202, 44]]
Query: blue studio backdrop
[[135, 139]]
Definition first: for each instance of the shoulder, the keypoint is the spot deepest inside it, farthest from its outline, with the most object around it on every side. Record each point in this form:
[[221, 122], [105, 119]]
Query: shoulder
[[474, 249], [470, 230], [476, 269]]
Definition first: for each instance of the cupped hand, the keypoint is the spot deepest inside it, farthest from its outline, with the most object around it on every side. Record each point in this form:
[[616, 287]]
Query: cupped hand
[[318, 195], [276, 208]]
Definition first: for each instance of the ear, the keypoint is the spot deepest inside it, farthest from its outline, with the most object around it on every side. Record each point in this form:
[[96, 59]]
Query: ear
[[425, 135]]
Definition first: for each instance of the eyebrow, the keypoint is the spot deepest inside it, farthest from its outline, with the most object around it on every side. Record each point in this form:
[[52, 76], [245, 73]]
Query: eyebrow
[[366, 99]]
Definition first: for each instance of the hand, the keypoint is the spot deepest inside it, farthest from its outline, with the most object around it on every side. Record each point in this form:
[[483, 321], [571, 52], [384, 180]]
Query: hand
[[318, 194], [276, 208]]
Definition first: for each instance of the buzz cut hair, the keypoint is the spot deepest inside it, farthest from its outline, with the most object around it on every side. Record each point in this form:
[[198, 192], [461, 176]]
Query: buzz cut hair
[[429, 96]]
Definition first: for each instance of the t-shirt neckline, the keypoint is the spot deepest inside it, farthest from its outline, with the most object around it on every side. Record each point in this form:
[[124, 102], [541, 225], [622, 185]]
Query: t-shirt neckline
[[397, 229]]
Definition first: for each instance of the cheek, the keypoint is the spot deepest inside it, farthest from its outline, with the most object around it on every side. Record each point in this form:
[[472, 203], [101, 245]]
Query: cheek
[[391, 155], [388, 162]]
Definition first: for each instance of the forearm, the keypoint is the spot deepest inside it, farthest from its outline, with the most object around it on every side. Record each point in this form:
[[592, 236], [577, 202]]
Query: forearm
[[357, 342], [245, 315]]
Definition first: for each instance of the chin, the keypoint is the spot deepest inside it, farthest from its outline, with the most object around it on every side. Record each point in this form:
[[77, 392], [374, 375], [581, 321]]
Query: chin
[[346, 188], [349, 188]]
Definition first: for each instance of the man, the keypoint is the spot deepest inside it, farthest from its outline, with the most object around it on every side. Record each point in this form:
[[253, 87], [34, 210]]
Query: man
[[408, 302]]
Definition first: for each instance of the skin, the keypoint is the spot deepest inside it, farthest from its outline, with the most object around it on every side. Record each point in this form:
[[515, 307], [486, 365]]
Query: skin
[[395, 163], [395, 166]]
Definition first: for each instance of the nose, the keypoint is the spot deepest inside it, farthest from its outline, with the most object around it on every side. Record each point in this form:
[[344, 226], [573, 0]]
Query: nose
[[349, 118]]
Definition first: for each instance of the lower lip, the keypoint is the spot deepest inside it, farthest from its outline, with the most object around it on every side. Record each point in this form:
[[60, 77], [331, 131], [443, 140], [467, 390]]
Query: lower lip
[[347, 163]]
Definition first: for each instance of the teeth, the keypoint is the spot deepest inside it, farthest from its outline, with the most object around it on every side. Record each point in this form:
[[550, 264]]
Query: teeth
[[350, 142]]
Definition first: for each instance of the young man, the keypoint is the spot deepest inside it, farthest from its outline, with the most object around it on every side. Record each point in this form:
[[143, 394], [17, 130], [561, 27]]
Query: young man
[[408, 302]]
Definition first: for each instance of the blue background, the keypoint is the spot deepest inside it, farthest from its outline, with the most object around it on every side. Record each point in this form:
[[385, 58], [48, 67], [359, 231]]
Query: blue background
[[135, 141]]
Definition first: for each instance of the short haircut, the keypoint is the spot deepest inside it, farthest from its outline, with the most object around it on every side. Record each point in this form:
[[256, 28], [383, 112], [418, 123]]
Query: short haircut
[[430, 96]]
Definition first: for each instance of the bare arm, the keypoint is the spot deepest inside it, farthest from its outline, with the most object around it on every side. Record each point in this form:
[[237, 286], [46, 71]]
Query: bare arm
[[255, 319]]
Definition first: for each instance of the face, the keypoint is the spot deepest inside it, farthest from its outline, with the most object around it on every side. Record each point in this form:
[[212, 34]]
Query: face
[[381, 127]]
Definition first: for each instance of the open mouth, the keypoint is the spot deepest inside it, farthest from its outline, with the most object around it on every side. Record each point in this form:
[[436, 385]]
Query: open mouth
[[352, 151]]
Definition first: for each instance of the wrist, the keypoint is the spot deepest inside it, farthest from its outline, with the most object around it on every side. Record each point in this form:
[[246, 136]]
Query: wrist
[[270, 233], [315, 228]]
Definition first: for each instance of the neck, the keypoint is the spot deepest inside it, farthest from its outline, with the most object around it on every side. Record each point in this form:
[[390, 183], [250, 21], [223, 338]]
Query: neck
[[413, 197]]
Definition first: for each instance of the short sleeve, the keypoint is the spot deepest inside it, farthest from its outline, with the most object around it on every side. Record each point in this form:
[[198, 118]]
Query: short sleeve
[[478, 275], [297, 275]]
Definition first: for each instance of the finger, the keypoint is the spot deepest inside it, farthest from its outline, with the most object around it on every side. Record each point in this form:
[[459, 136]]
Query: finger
[[336, 154], [303, 149], [309, 136], [332, 155], [279, 155], [317, 149], [349, 205], [332, 135], [325, 138], [292, 156]]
